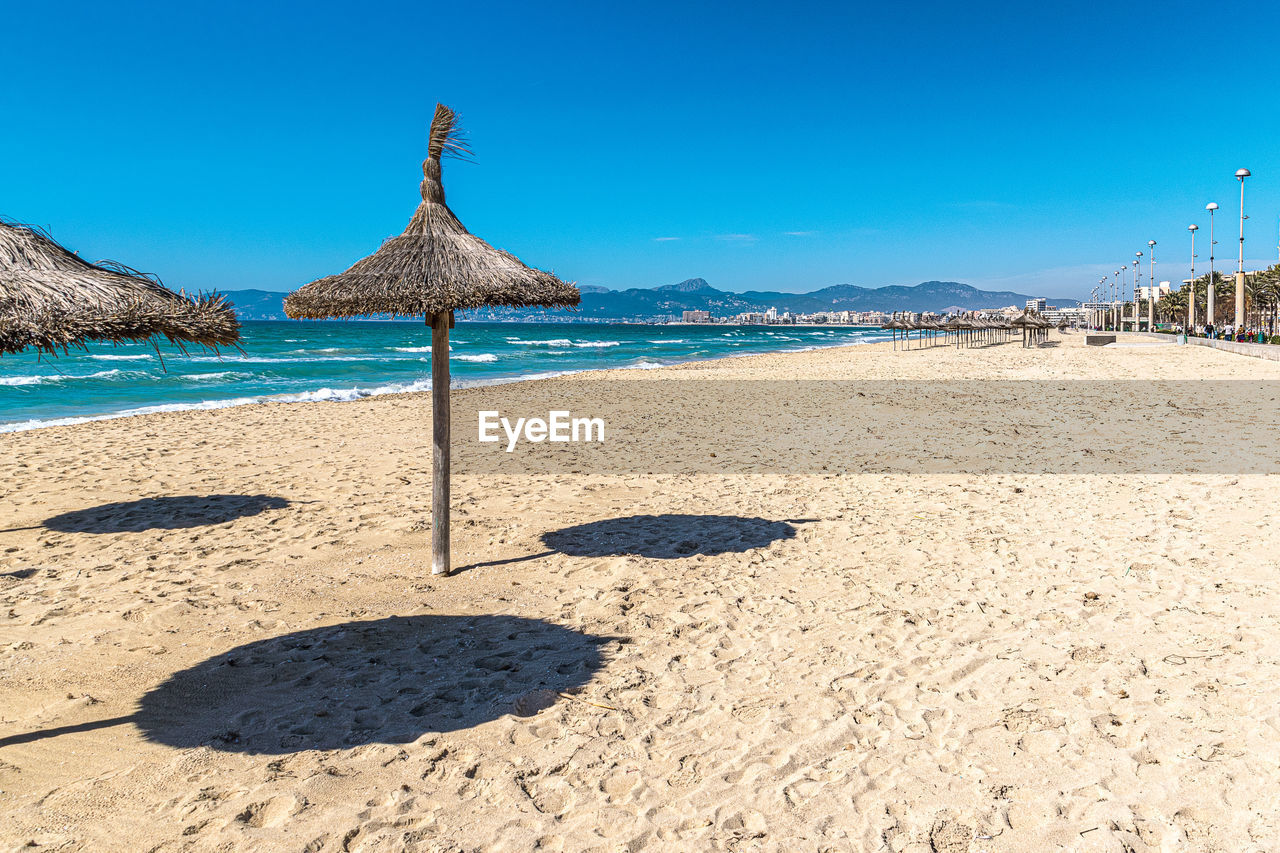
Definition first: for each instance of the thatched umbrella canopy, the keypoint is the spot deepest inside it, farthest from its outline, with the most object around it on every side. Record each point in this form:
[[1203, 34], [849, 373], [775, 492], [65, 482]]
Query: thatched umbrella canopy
[[51, 299], [1030, 325], [434, 268], [895, 325]]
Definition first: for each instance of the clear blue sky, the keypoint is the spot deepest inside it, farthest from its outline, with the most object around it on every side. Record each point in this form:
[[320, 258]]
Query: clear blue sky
[[786, 146]]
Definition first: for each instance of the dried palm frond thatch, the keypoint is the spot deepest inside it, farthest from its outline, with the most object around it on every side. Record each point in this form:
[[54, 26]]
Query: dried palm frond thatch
[[434, 268], [51, 299], [435, 265]]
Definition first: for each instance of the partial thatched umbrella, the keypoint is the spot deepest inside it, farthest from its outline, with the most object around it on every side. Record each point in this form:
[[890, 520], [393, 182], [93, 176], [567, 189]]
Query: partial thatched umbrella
[[895, 325], [1026, 322], [954, 326], [51, 299], [434, 268]]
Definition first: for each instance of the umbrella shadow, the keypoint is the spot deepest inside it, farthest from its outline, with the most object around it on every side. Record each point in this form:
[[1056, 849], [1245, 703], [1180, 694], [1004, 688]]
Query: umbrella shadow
[[164, 513], [669, 536], [386, 681]]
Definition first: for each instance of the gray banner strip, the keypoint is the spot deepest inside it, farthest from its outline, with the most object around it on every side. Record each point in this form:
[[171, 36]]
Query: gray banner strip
[[814, 427]]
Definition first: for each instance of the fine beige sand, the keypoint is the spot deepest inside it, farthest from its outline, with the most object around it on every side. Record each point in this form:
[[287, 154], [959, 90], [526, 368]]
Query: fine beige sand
[[219, 629]]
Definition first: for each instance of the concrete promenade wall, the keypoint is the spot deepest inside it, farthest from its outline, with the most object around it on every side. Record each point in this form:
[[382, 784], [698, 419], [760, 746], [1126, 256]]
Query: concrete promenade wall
[[1271, 352]]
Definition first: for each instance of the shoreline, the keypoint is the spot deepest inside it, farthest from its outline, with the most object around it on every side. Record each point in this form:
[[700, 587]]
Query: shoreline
[[348, 395]]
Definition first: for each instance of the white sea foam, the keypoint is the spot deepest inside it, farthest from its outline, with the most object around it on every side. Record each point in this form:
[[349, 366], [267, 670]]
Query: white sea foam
[[411, 349], [208, 377], [249, 359], [321, 395], [121, 357], [596, 343], [63, 377], [482, 357], [669, 341], [554, 342]]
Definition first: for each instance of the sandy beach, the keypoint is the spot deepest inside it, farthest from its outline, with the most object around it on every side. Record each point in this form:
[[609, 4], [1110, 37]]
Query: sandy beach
[[220, 631]]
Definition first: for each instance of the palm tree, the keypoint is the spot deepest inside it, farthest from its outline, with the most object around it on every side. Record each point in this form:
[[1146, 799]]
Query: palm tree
[[1172, 307], [1262, 292], [1223, 299]]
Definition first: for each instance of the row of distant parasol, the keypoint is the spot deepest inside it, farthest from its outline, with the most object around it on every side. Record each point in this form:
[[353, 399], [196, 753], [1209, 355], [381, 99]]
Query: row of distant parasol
[[52, 300], [968, 331]]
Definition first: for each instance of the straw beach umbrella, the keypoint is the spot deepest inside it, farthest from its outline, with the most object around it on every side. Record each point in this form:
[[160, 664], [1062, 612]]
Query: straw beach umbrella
[[895, 325], [51, 299], [434, 268], [1030, 325]]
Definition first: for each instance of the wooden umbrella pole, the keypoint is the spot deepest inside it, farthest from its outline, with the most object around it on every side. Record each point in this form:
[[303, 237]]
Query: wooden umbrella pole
[[440, 442]]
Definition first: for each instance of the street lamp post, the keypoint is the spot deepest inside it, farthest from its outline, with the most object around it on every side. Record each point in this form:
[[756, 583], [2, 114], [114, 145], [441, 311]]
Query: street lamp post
[[1137, 290], [1117, 291], [1120, 289], [1119, 299], [1191, 300], [1209, 321], [1114, 312], [1151, 288], [1111, 300], [1241, 174]]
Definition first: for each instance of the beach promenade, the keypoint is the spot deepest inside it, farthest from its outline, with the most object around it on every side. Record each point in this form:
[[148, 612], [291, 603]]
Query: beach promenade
[[220, 630]]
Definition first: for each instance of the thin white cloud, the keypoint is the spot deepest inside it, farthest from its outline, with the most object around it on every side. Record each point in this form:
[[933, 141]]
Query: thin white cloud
[[664, 239], [799, 233]]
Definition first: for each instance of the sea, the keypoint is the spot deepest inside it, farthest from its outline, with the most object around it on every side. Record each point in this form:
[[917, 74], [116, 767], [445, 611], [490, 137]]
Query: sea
[[292, 361]]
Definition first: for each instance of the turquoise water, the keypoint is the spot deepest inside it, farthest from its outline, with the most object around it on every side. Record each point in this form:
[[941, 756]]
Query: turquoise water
[[290, 361]]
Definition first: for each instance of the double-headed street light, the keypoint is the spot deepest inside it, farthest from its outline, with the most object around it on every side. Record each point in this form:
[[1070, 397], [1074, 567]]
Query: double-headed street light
[[1115, 302], [1211, 207], [1137, 288], [1191, 300], [1151, 288], [1241, 174]]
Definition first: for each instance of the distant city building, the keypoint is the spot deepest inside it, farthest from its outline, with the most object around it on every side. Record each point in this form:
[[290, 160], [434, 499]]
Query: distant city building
[[1070, 316], [1036, 305], [696, 317]]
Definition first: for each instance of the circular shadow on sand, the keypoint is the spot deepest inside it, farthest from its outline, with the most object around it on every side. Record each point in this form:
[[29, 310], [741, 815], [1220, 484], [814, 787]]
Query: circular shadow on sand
[[668, 536], [167, 513], [384, 681]]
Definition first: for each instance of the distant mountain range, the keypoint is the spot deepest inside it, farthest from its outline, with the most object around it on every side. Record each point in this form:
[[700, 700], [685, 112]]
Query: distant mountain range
[[601, 303]]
